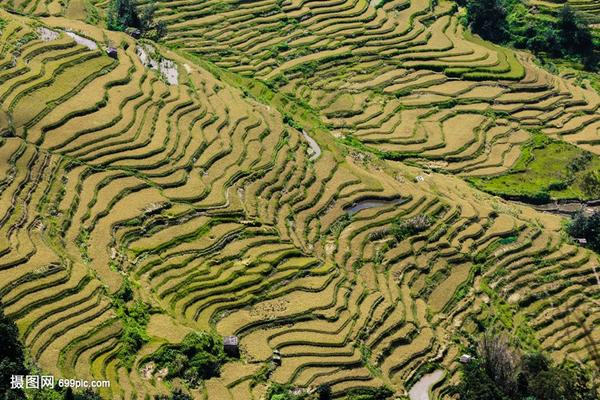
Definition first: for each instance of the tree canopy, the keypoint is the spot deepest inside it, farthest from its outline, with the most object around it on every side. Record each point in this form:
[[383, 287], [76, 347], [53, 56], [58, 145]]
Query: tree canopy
[[198, 357], [500, 371], [123, 14], [512, 22], [586, 227], [12, 358]]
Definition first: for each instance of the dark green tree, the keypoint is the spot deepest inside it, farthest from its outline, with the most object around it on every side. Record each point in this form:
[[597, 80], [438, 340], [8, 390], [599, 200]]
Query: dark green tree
[[586, 227], [176, 394], [122, 14], [198, 357], [69, 395], [324, 392], [511, 22], [161, 29], [476, 384], [532, 376], [569, 381], [87, 394], [12, 358], [379, 393], [576, 35], [146, 17], [488, 19]]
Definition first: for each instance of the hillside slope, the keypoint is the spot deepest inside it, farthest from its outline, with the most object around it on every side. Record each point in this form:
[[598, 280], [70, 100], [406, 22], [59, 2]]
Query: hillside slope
[[256, 183]]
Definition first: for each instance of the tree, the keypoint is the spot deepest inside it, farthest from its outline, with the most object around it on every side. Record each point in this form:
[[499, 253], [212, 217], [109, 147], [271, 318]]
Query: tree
[[198, 357], [500, 360], [176, 394], [146, 17], [544, 381], [87, 394], [324, 392], [576, 35], [12, 358], [586, 227], [377, 393], [591, 184], [511, 22], [500, 372], [476, 384], [69, 395], [121, 15], [161, 29], [488, 19]]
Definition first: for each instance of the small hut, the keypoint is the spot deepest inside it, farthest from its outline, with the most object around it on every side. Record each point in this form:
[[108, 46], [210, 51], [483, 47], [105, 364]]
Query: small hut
[[465, 359], [231, 346], [112, 52], [134, 32], [276, 359]]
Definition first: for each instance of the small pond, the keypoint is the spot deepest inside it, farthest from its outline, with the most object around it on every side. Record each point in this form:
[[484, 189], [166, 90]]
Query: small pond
[[373, 203]]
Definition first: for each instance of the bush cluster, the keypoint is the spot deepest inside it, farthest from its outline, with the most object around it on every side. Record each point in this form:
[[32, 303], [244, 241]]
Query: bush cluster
[[12, 358], [134, 316], [512, 22], [199, 356], [323, 392], [403, 228], [502, 372], [124, 14], [586, 227]]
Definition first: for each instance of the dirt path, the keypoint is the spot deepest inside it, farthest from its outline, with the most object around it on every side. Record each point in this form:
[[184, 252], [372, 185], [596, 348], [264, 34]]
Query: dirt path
[[420, 390], [316, 150]]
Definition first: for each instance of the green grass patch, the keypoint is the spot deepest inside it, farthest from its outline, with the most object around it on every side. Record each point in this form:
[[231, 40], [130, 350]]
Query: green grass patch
[[134, 316], [200, 356], [547, 169]]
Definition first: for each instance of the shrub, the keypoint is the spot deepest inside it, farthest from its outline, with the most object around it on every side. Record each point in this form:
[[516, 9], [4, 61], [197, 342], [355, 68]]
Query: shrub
[[198, 357], [511, 22], [12, 358], [380, 393], [176, 394], [134, 318], [501, 372], [123, 14], [403, 228], [586, 227], [283, 392], [324, 392]]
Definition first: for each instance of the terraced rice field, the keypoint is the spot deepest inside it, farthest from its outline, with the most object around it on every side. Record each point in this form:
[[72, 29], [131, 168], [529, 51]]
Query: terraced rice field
[[257, 194], [589, 9]]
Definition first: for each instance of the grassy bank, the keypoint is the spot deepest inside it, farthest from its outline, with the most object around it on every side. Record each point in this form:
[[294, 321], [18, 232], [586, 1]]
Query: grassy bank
[[547, 169]]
